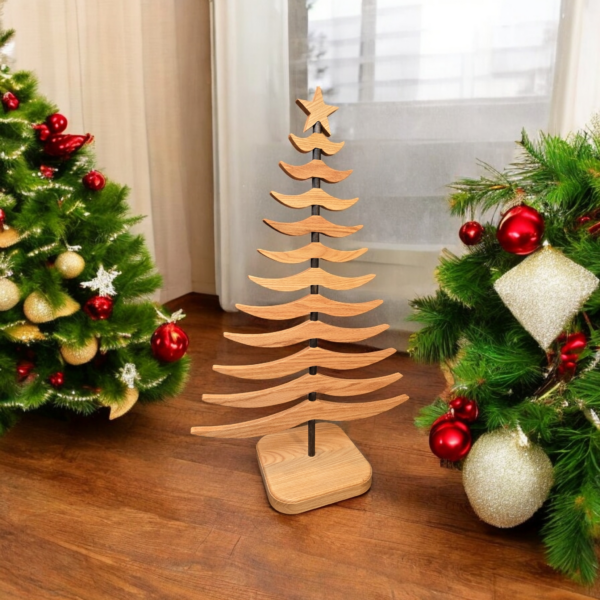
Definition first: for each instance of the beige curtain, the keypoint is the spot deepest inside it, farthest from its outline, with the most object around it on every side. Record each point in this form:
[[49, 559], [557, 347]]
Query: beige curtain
[[136, 74]]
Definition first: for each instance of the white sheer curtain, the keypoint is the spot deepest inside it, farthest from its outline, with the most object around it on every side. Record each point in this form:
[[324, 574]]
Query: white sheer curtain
[[136, 74], [425, 88]]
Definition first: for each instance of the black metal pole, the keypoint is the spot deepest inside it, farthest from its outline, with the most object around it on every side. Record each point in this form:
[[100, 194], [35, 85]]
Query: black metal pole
[[314, 289]]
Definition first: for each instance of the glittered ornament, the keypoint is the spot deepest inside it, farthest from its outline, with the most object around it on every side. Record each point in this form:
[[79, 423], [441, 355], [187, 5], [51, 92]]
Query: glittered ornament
[[25, 332], [65, 144], [169, 342], [10, 102], [127, 403], [57, 380], [79, 355], [43, 132], [507, 478], [94, 181], [521, 230], [471, 233], [450, 438], [545, 291], [47, 172], [464, 409], [24, 369], [39, 310], [9, 294], [69, 264], [99, 308], [56, 123], [9, 237]]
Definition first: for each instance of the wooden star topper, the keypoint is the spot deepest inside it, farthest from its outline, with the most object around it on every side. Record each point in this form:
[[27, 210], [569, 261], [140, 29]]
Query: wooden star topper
[[317, 110]]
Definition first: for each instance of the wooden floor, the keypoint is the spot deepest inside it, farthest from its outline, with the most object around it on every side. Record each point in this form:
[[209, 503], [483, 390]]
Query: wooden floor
[[138, 508]]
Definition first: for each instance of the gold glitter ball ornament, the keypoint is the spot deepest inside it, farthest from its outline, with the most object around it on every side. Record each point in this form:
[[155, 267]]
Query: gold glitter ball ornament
[[9, 237], [38, 310], [128, 402], [506, 482], [545, 291], [69, 264], [82, 354], [9, 294], [25, 333]]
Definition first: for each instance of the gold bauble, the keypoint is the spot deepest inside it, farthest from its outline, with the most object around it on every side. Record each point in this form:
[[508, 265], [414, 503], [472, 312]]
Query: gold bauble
[[128, 402], [69, 264], [38, 310], [25, 333], [9, 294], [505, 481], [82, 354], [8, 237]]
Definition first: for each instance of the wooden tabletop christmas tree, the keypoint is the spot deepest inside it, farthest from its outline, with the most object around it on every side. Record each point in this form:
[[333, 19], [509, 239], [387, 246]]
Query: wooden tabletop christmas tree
[[316, 464]]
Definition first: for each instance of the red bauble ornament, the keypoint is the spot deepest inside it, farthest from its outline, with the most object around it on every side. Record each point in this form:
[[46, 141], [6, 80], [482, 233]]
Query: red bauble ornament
[[47, 172], [471, 233], [2, 218], [57, 380], [99, 308], [57, 123], [465, 409], [10, 101], [521, 230], [43, 132], [64, 144], [94, 181], [169, 342], [450, 438], [24, 369]]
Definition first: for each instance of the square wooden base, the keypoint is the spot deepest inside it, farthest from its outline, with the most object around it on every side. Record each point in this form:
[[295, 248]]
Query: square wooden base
[[296, 482]]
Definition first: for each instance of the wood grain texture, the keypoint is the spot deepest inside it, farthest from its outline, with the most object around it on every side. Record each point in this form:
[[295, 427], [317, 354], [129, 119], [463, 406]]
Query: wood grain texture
[[305, 411], [316, 140], [314, 196], [315, 223], [302, 386], [313, 250], [309, 357], [306, 331], [311, 303], [317, 111], [137, 508], [312, 276], [296, 483], [314, 168]]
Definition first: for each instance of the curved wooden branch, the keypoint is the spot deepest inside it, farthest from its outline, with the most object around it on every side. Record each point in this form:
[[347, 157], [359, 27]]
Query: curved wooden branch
[[314, 223], [292, 390], [314, 196], [309, 357], [306, 331], [313, 250], [316, 140], [311, 303], [315, 168], [310, 277], [305, 411]]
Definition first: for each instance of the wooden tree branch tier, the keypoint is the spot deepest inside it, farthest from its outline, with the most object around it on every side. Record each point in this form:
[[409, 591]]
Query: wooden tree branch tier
[[305, 464]]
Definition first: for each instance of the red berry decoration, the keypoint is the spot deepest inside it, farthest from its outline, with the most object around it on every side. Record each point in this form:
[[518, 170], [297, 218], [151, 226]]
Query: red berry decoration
[[521, 230], [572, 347], [465, 409], [450, 438], [57, 123], [471, 233], [169, 342], [24, 369], [65, 144], [57, 380], [43, 132], [99, 308], [10, 102], [47, 172], [94, 181]]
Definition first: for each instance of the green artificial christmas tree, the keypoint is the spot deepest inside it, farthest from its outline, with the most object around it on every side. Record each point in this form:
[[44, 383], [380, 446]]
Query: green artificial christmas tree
[[76, 328], [515, 325]]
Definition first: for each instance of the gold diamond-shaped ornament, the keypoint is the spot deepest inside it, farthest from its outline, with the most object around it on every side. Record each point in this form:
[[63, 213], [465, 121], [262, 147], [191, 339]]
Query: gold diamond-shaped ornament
[[545, 291]]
